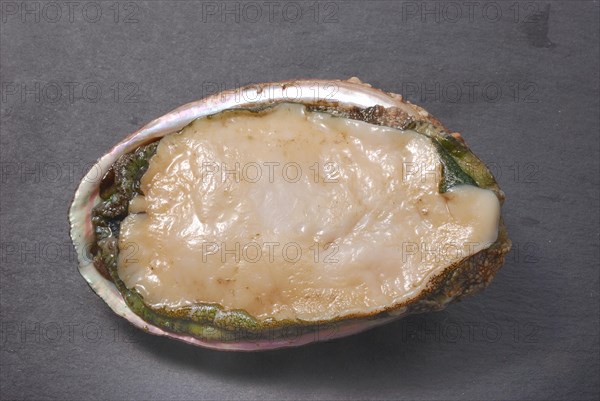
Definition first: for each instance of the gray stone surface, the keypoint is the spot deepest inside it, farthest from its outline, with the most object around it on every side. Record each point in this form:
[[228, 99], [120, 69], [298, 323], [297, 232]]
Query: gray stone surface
[[519, 80]]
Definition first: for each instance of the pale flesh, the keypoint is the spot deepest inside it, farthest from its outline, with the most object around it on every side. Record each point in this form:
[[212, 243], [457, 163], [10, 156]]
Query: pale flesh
[[290, 214]]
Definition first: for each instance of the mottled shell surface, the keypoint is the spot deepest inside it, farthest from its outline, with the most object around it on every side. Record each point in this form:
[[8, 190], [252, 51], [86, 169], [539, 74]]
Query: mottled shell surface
[[350, 98]]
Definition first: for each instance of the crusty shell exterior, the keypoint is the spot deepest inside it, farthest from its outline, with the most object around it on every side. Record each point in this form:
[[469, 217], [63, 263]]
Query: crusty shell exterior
[[350, 98]]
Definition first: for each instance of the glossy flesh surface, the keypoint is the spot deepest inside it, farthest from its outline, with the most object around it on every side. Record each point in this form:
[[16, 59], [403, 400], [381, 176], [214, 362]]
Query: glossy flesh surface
[[297, 215]]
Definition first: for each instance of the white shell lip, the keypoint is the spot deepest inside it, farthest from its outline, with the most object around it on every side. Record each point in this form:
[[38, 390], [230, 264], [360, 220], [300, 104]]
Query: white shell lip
[[310, 92]]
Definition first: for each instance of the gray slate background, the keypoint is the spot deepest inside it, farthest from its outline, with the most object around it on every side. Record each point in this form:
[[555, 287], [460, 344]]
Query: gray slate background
[[519, 80]]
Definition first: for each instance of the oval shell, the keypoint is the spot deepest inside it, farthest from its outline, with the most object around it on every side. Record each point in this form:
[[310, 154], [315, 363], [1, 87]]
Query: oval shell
[[469, 276]]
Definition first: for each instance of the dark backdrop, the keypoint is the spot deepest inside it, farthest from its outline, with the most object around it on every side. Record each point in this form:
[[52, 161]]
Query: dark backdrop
[[519, 80]]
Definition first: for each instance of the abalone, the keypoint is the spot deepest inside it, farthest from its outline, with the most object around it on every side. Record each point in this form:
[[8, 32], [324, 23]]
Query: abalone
[[284, 213]]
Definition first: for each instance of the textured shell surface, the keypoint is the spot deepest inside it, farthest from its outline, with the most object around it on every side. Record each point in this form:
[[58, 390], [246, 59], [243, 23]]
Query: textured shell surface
[[469, 276]]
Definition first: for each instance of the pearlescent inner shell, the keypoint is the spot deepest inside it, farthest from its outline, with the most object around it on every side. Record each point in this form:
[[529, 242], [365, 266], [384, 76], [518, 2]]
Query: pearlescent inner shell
[[290, 214]]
